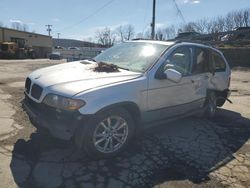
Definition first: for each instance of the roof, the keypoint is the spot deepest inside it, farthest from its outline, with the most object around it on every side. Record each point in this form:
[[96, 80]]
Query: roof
[[167, 43], [172, 42], [180, 42], [5, 28]]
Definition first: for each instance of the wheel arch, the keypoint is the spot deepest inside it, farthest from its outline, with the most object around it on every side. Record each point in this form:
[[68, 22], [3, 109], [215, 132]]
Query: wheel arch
[[131, 107]]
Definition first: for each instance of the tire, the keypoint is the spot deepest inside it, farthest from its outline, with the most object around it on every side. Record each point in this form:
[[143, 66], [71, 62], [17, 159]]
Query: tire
[[107, 134], [210, 105], [221, 98]]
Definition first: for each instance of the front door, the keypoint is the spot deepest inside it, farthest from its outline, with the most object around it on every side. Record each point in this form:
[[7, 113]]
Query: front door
[[167, 98]]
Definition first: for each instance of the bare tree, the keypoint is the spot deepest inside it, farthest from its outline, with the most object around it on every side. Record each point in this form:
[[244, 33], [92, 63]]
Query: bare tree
[[189, 27], [246, 17], [220, 24], [16, 25], [120, 33], [160, 34], [238, 19], [170, 32], [229, 23], [126, 32], [106, 37], [1, 24], [217, 25], [201, 26], [19, 26], [25, 27], [129, 32], [234, 19]]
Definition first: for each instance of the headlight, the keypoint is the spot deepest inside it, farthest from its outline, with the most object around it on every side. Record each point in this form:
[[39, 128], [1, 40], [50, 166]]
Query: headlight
[[63, 103]]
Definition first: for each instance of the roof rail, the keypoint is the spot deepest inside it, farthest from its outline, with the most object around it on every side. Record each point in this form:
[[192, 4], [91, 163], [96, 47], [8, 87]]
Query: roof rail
[[194, 41]]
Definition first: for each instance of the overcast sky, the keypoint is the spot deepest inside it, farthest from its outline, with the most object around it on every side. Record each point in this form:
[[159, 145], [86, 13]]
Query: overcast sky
[[79, 19]]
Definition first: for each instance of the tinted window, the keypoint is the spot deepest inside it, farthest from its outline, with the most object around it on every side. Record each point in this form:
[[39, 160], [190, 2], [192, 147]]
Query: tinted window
[[180, 60], [200, 63], [218, 62]]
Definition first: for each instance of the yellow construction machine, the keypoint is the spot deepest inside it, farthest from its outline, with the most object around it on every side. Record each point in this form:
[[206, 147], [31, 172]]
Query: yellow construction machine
[[11, 50]]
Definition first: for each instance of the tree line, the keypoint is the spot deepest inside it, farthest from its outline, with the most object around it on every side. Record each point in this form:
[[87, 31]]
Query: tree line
[[17, 25], [108, 36], [232, 20]]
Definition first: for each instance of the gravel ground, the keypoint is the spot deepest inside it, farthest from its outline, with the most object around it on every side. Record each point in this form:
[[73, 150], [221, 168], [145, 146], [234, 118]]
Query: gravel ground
[[191, 152]]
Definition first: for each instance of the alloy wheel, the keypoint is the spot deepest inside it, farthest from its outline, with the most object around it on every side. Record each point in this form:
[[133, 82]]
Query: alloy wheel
[[110, 134]]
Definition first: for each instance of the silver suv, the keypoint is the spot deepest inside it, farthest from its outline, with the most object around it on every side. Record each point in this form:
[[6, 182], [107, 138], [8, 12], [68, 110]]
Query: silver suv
[[101, 103]]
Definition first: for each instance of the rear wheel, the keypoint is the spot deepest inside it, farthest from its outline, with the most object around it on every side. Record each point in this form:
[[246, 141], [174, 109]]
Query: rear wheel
[[221, 97], [108, 133], [220, 102]]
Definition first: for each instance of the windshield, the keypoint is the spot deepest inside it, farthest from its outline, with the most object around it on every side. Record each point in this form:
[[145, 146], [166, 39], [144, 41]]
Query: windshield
[[133, 56]]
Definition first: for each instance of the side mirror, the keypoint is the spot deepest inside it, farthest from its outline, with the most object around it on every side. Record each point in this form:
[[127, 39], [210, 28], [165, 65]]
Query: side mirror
[[173, 75]]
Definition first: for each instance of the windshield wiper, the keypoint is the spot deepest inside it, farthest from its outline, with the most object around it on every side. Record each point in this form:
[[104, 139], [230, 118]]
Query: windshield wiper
[[85, 61], [123, 68], [91, 59]]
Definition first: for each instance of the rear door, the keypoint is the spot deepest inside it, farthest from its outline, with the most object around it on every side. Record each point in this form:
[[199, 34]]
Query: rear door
[[221, 78], [201, 71]]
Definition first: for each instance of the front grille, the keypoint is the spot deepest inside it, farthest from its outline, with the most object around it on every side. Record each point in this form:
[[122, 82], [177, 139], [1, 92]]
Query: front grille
[[36, 91], [48, 111], [27, 85]]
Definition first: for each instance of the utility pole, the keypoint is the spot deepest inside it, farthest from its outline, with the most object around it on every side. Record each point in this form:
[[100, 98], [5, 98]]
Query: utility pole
[[49, 28], [153, 22], [58, 35]]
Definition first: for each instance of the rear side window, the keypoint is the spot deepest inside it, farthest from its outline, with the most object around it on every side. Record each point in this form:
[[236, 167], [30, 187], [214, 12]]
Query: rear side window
[[200, 61], [218, 62]]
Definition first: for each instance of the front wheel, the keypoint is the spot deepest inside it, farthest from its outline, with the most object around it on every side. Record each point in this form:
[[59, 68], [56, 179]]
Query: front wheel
[[108, 133], [210, 105]]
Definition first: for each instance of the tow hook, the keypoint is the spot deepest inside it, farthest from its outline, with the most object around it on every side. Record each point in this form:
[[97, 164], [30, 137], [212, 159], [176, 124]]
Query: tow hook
[[229, 100]]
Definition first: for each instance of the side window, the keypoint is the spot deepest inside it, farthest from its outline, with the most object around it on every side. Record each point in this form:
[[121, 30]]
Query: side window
[[180, 60], [200, 61], [218, 62]]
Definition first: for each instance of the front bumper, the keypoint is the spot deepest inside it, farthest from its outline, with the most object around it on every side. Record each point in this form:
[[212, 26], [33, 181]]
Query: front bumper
[[60, 124]]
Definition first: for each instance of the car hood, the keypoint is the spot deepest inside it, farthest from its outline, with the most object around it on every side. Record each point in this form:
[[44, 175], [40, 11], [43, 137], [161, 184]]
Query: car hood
[[75, 77]]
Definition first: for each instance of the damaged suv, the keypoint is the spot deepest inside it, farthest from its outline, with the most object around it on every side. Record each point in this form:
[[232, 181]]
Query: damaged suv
[[101, 103]]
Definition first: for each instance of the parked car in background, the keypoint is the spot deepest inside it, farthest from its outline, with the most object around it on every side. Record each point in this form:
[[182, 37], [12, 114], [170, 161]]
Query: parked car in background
[[55, 56], [73, 48], [59, 47], [101, 103]]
